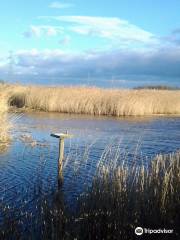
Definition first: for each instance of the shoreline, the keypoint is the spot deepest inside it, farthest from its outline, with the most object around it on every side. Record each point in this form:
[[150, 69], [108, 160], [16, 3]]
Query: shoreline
[[30, 110]]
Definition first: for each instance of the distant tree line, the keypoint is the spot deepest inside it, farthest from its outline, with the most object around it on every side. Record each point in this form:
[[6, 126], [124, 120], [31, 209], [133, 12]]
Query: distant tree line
[[157, 87], [2, 81]]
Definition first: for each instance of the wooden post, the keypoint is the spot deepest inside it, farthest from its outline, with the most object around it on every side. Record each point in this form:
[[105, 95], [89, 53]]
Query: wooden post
[[61, 137]]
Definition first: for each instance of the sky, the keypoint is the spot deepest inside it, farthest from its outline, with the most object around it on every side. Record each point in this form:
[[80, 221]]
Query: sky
[[108, 43]]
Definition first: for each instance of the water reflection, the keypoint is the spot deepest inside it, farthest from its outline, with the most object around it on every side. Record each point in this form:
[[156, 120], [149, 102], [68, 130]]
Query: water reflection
[[33, 154]]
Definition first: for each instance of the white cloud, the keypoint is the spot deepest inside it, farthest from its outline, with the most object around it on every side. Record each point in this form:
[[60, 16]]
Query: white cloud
[[51, 31], [60, 5], [109, 28], [65, 41], [34, 31], [161, 63], [43, 30]]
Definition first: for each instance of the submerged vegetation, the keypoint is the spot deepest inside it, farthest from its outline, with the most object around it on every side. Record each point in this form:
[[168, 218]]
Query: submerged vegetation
[[115, 204], [96, 101]]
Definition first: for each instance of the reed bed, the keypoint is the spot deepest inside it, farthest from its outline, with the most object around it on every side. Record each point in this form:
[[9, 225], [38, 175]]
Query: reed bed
[[133, 196], [115, 204], [4, 125], [95, 101]]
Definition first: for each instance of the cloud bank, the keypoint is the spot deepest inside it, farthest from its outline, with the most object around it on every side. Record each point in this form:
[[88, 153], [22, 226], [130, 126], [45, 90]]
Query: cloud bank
[[162, 63], [139, 55]]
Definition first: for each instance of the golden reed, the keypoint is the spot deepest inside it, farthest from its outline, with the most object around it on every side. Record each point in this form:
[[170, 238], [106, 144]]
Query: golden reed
[[96, 101], [4, 125]]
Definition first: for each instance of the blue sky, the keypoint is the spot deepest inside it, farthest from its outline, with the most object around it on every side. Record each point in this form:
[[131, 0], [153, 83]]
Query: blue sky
[[106, 43]]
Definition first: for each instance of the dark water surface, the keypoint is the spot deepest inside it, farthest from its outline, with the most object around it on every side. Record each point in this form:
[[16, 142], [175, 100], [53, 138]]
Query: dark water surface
[[31, 160]]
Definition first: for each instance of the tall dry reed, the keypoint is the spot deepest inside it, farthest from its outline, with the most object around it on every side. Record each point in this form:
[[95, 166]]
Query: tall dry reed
[[4, 125], [132, 196], [96, 101], [115, 204]]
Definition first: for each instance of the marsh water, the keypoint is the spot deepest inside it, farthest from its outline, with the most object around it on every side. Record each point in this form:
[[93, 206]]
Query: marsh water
[[31, 159]]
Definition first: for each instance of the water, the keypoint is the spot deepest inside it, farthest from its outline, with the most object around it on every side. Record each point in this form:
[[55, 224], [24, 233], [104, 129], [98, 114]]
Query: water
[[31, 159]]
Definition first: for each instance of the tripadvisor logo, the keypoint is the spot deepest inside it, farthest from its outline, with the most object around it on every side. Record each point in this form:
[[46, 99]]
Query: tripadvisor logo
[[139, 231]]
